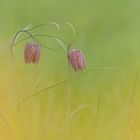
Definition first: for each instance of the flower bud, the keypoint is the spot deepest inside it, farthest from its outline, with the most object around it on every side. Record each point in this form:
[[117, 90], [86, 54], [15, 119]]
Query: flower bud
[[76, 59], [32, 53]]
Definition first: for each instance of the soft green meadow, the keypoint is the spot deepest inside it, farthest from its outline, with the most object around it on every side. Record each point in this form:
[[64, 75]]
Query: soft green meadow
[[40, 102]]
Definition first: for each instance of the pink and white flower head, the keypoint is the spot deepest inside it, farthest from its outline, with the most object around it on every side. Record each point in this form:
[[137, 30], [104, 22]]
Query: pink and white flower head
[[32, 53], [76, 59]]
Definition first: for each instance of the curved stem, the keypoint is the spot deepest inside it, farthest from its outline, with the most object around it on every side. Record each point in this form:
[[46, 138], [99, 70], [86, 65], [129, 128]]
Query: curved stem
[[68, 57], [61, 41], [58, 27], [73, 30], [44, 24], [13, 41]]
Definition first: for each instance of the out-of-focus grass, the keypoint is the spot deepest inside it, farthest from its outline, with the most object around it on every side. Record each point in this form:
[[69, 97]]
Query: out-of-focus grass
[[108, 33]]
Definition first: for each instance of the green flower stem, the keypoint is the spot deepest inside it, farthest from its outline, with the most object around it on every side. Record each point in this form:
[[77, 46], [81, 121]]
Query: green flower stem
[[44, 24], [59, 40]]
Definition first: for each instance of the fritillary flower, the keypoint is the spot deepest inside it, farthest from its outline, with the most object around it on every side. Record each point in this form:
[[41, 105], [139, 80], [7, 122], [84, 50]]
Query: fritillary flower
[[32, 53], [76, 59]]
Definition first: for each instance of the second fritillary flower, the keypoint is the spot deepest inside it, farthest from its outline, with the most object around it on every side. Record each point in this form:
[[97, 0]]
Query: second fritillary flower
[[76, 59]]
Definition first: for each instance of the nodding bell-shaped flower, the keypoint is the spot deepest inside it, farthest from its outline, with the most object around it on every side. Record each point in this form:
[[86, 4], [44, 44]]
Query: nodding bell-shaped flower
[[76, 59], [32, 53]]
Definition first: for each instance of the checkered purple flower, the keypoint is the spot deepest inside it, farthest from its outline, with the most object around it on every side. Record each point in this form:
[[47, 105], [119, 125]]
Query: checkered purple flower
[[32, 53], [76, 59]]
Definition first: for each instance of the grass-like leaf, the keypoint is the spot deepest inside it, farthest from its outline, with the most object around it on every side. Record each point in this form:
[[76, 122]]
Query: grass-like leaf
[[40, 91]]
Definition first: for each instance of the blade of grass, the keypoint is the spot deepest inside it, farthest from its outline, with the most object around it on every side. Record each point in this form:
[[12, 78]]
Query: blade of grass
[[42, 90], [132, 95], [57, 84], [7, 124]]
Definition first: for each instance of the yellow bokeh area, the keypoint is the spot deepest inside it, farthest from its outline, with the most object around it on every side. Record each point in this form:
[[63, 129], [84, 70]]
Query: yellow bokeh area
[[98, 104], [49, 102]]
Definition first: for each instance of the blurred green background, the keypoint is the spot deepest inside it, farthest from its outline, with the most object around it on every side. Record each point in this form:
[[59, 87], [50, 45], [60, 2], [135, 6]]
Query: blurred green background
[[104, 104]]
